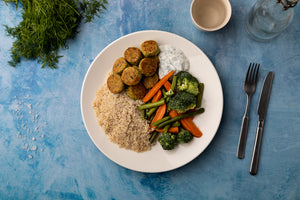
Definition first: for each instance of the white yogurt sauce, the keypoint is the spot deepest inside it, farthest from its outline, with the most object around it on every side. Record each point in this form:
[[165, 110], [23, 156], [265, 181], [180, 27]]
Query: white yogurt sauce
[[171, 59]]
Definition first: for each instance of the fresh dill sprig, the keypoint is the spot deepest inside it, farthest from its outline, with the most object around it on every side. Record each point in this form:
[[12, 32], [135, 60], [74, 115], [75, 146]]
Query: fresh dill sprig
[[91, 9], [47, 26]]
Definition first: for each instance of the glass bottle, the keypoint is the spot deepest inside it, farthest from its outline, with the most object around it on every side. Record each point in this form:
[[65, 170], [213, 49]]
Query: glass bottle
[[268, 18]]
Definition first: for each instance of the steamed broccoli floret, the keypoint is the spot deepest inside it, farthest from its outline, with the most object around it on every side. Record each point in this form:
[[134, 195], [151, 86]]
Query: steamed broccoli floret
[[169, 93], [184, 136], [168, 141], [182, 102], [187, 82]]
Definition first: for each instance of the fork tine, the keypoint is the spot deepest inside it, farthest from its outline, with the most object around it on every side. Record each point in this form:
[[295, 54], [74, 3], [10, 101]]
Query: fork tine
[[248, 73], [256, 73], [253, 70]]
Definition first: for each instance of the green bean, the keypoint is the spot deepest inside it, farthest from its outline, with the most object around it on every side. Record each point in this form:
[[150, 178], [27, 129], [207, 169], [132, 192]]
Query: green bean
[[176, 124], [166, 128], [164, 92], [151, 105], [143, 114], [161, 120], [174, 83], [200, 95], [151, 111], [153, 136], [151, 117], [178, 117], [167, 99]]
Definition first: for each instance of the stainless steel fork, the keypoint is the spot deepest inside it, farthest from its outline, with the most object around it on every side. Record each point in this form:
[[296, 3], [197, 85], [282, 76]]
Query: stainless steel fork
[[249, 88]]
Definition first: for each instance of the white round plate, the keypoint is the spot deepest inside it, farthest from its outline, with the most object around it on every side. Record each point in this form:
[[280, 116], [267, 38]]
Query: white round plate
[[157, 159]]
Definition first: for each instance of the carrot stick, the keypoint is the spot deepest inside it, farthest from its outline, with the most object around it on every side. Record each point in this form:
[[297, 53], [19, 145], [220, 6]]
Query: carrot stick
[[174, 130], [173, 113], [171, 130], [168, 85], [157, 97], [157, 86], [159, 113], [188, 124]]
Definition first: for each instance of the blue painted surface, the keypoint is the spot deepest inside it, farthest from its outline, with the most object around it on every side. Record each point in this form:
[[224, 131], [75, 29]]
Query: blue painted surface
[[46, 152]]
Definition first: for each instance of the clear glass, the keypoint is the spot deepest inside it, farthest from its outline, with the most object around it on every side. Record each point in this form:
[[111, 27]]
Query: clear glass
[[267, 19]]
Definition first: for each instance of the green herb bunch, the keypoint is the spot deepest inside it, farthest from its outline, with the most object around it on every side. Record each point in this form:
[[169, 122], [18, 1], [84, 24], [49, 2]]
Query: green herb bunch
[[47, 26]]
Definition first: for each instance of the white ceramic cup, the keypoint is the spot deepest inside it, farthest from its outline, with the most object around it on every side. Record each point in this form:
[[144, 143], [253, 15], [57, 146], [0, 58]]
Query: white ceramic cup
[[210, 15]]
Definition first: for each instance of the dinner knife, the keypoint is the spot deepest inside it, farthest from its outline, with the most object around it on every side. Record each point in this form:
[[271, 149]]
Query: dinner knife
[[261, 111]]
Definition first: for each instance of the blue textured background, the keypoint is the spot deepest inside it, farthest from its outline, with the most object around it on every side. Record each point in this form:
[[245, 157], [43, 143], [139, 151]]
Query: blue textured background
[[46, 153]]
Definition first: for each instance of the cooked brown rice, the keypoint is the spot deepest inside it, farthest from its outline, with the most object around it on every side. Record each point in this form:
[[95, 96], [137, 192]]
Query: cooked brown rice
[[120, 119]]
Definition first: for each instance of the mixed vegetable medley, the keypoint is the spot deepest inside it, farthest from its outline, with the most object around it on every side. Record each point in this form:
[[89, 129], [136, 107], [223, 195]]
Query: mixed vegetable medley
[[170, 108]]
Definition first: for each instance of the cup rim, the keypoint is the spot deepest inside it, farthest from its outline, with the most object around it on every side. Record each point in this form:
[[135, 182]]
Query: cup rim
[[220, 26]]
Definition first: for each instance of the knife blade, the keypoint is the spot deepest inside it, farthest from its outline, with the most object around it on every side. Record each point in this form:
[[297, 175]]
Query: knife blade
[[261, 112], [265, 96]]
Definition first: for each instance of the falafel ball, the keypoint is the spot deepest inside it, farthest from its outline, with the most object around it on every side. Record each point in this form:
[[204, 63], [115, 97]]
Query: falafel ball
[[148, 66], [136, 91], [131, 76], [156, 58], [115, 83], [150, 81], [119, 65], [149, 48], [133, 55]]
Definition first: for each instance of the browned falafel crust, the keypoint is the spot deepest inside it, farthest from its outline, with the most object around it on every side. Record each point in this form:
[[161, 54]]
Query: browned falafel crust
[[149, 48], [133, 55], [137, 91], [148, 66], [150, 81], [115, 83], [119, 65], [131, 76], [156, 59]]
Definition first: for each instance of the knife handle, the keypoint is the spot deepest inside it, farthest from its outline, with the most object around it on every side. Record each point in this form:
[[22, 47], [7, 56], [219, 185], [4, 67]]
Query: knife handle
[[243, 137], [256, 148]]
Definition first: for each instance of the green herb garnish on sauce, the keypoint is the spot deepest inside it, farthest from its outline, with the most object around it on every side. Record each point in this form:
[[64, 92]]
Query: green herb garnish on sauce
[[47, 26]]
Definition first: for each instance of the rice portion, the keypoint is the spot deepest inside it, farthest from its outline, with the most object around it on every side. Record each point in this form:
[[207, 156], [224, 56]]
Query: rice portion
[[121, 120]]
